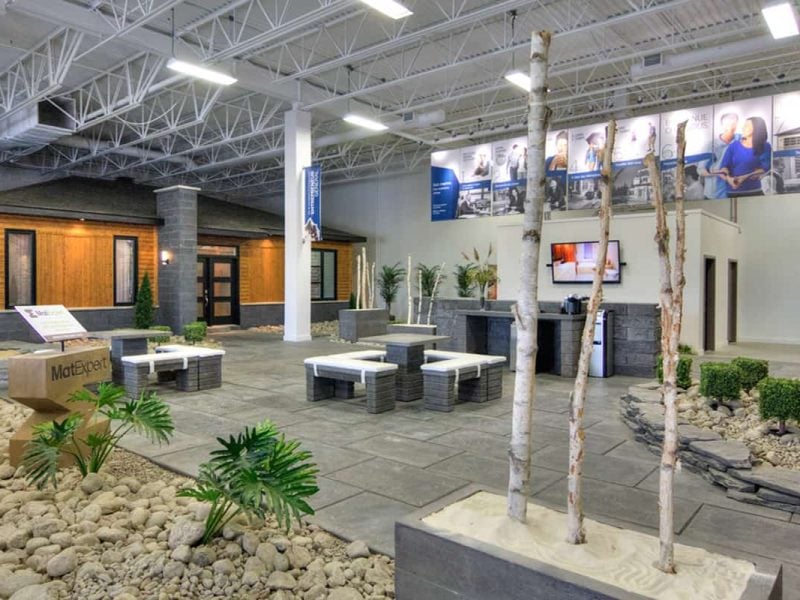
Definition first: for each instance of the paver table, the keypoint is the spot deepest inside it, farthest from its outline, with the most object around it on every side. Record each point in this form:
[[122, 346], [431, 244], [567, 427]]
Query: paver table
[[407, 351]]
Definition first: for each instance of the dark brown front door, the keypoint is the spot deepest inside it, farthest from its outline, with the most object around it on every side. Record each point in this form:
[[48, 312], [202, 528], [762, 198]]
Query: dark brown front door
[[733, 302], [217, 290], [710, 300]]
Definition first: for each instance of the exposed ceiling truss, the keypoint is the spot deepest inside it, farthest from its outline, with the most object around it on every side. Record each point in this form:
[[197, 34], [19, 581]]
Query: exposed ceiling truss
[[437, 78]]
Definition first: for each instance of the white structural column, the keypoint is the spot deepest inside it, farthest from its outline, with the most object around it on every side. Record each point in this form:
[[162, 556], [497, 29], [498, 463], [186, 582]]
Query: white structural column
[[297, 255]]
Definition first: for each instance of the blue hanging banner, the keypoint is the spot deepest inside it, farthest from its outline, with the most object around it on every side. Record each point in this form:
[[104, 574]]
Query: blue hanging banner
[[312, 221]]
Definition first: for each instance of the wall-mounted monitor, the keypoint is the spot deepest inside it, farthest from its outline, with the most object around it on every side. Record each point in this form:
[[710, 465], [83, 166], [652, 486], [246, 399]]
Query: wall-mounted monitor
[[574, 262]]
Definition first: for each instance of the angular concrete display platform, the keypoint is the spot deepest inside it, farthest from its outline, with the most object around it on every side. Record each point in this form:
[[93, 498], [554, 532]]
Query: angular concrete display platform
[[362, 322], [433, 564]]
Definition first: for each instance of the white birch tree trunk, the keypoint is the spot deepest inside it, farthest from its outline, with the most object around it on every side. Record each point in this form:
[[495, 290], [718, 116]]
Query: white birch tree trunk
[[419, 304], [372, 287], [527, 307], [576, 533], [364, 276], [671, 295], [433, 292], [410, 314], [358, 281]]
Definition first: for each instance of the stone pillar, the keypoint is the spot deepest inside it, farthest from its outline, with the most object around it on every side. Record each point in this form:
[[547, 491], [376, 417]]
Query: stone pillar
[[177, 281], [297, 252]]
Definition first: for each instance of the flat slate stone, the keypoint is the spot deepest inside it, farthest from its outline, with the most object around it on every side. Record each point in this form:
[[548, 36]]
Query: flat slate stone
[[644, 395], [779, 479], [730, 453], [692, 433], [773, 496], [652, 415]]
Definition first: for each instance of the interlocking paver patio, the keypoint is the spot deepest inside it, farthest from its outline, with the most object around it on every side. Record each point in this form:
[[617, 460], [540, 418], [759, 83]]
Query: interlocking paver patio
[[377, 468]]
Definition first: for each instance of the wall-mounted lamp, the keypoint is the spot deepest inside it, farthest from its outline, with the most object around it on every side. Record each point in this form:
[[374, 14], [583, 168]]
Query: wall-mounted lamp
[[165, 257]]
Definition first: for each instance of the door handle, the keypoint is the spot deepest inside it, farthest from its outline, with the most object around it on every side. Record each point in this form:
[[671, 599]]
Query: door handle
[[205, 297]]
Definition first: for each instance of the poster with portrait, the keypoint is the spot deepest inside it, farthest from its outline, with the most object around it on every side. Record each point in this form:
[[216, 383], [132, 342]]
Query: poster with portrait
[[556, 163], [698, 156], [586, 148], [445, 184], [785, 175], [631, 178], [475, 195], [509, 176], [742, 147]]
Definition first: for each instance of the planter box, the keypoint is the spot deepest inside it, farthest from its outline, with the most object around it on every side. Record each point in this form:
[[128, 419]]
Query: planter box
[[434, 564], [413, 328], [362, 322]]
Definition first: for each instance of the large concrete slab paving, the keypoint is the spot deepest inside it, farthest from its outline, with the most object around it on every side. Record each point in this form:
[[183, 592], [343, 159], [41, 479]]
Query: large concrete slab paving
[[405, 450]]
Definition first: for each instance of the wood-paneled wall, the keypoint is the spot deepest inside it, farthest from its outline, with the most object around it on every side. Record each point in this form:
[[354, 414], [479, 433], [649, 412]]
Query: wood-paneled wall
[[75, 259], [261, 269]]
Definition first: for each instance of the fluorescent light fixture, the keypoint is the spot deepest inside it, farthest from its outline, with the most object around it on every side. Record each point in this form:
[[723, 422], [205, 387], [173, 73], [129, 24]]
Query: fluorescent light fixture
[[781, 20], [364, 122], [519, 79], [200, 72], [390, 8]]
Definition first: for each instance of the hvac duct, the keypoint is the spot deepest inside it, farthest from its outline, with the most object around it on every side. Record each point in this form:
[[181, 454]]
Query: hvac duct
[[37, 125]]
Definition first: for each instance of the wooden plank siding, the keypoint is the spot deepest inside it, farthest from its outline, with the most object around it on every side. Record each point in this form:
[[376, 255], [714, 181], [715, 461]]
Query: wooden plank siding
[[261, 269], [75, 259]]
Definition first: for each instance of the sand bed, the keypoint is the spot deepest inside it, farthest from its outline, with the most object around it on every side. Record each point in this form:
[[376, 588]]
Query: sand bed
[[615, 556]]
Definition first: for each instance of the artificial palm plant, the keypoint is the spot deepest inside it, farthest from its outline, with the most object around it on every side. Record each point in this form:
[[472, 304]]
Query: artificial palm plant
[[427, 278], [465, 286], [255, 472], [147, 415], [389, 280]]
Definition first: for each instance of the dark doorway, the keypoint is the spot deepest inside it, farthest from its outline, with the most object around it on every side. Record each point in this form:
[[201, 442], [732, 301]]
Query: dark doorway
[[733, 294], [709, 302], [217, 290]]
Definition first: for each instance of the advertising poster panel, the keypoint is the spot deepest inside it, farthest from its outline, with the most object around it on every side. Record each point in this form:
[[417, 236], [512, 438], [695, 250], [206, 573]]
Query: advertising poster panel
[[699, 153], [631, 178], [742, 147], [510, 158], [475, 192], [445, 186], [587, 145], [785, 175], [556, 163]]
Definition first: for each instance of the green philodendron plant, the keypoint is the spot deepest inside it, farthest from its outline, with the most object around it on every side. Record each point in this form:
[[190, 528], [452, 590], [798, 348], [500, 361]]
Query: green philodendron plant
[[256, 472], [147, 415]]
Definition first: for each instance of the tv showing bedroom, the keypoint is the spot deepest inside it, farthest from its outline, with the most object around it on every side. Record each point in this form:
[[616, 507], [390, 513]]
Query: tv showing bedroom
[[574, 262]]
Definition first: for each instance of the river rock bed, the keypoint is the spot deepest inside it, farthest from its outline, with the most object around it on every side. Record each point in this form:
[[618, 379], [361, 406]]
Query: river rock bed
[[123, 534]]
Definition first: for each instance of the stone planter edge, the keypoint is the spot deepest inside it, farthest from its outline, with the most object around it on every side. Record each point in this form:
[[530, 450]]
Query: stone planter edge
[[435, 565]]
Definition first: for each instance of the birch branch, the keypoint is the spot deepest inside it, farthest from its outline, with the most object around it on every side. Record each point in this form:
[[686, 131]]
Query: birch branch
[[528, 308], [419, 305], [410, 295], [576, 533], [433, 292], [358, 281]]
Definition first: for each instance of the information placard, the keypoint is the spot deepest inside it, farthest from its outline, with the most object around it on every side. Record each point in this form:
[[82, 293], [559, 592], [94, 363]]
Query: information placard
[[52, 322]]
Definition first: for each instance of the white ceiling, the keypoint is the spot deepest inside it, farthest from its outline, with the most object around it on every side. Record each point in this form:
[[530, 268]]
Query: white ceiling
[[445, 63]]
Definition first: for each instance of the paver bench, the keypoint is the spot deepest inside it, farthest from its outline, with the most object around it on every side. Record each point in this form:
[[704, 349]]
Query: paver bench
[[209, 364], [334, 376], [137, 368], [477, 377]]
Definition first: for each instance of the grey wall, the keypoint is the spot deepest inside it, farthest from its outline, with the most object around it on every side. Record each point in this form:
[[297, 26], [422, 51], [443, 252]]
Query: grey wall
[[253, 315]]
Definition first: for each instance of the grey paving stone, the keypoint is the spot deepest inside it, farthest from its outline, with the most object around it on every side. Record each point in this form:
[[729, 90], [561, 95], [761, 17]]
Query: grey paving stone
[[210, 404], [624, 471], [392, 422], [596, 443], [481, 422], [405, 450], [559, 421], [750, 533], [330, 458], [603, 499], [139, 444], [491, 472], [479, 442], [331, 492], [186, 461], [399, 481], [347, 519], [613, 427], [254, 415], [338, 412], [634, 449], [334, 434], [692, 486]]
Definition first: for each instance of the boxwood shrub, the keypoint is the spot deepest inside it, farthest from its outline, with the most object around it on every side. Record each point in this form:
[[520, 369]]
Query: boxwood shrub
[[751, 371], [684, 380], [779, 399], [720, 381], [195, 332]]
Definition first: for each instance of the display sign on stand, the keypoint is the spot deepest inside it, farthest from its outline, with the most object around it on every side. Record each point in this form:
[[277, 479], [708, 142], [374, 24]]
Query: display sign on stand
[[52, 322]]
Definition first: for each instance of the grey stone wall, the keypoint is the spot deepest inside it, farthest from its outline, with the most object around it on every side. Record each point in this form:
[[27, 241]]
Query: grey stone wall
[[14, 327], [253, 315], [637, 331], [354, 324], [177, 281]]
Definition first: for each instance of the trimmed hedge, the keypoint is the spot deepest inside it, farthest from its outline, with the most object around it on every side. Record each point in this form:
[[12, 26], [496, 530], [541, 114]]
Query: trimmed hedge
[[779, 399], [684, 380], [751, 371], [195, 332], [720, 381], [159, 340]]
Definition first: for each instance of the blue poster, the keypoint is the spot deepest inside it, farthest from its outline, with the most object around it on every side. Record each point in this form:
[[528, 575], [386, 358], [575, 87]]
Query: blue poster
[[445, 184], [312, 221]]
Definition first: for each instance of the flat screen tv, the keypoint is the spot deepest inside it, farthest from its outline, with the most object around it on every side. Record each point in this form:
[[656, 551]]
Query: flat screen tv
[[573, 262]]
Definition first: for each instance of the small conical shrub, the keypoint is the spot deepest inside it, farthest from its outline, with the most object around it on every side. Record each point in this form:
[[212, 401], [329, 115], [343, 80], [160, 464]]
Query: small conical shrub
[[143, 318]]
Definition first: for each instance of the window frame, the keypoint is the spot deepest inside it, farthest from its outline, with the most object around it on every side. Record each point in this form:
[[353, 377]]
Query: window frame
[[32, 234], [335, 253], [135, 241]]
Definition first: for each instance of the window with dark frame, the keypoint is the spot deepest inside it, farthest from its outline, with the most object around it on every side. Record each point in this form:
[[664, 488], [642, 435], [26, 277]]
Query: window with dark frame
[[323, 274], [20, 268], [126, 276]]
